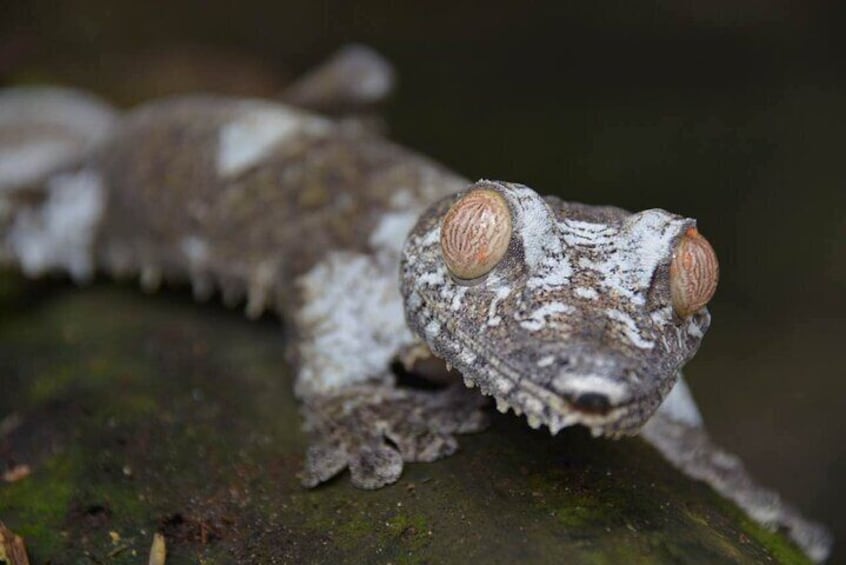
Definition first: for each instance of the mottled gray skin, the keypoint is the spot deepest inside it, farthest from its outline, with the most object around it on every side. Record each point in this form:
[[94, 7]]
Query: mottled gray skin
[[307, 217], [560, 340], [312, 194]]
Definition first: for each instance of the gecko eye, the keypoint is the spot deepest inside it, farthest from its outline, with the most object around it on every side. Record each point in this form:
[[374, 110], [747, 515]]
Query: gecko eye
[[694, 272], [475, 234]]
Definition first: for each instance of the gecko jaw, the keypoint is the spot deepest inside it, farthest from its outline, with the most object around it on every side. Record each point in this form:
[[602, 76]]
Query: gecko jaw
[[606, 406]]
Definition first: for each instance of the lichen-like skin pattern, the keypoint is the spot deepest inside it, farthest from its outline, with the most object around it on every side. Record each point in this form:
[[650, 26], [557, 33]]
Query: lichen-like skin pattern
[[338, 231], [574, 326]]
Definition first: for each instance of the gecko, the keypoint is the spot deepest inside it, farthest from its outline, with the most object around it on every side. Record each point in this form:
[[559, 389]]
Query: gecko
[[375, 257]]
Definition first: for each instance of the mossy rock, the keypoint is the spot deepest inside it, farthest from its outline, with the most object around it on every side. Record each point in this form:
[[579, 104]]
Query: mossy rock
[[139, 414]]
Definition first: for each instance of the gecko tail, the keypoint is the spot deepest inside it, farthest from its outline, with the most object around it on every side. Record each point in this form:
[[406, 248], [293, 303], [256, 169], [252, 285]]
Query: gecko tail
[[45, 129], [46, 134]]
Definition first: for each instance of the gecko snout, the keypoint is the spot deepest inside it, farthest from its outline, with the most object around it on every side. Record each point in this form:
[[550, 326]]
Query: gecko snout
[[593, 390]]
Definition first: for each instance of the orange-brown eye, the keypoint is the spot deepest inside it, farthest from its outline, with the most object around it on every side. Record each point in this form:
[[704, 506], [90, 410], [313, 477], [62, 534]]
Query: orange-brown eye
[[475, 234], [694, 273]]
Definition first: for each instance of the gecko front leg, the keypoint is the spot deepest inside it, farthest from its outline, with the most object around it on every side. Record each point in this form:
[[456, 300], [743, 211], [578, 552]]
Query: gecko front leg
[[348, 332]]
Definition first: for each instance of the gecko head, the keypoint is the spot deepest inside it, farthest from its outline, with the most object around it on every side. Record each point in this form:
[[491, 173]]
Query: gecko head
[[567, 313]]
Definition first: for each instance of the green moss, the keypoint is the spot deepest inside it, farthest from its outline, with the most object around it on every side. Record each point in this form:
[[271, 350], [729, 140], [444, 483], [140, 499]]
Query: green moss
[[353, 527], [581, 515], [36, 507], [776, 544], [412, 531]]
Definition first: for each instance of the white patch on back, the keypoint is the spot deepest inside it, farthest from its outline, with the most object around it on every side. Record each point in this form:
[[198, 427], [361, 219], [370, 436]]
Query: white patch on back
[[353, 311], [60, 233], [256, 130], [354, 317]]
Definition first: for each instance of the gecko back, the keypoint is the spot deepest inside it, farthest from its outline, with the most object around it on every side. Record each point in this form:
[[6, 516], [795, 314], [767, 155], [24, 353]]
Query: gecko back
[[236, 195]]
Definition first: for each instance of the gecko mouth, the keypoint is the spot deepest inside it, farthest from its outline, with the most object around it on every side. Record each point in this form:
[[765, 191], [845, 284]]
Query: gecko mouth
[[557, 410], [604, 413], [604, 405], [435, 374]]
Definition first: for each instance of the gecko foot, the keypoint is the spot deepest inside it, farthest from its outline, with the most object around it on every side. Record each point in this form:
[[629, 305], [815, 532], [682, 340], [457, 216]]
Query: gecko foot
[[373, 429]]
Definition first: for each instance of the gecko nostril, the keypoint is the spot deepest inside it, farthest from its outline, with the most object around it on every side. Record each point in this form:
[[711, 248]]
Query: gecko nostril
[[593, 402]]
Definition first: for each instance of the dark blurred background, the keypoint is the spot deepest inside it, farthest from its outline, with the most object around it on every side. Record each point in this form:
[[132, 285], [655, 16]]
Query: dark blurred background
[[732, 112]]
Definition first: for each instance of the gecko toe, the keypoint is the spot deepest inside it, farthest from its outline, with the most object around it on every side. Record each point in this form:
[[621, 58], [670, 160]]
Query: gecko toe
[[374, 466], [423, 445], [322, 462]]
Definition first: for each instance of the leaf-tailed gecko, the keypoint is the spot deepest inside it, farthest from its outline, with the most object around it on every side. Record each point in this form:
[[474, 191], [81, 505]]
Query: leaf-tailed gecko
[[372, 254]]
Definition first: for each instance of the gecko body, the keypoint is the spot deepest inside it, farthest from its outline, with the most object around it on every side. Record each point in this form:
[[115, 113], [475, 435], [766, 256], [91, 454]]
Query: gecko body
[[577, 316]]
